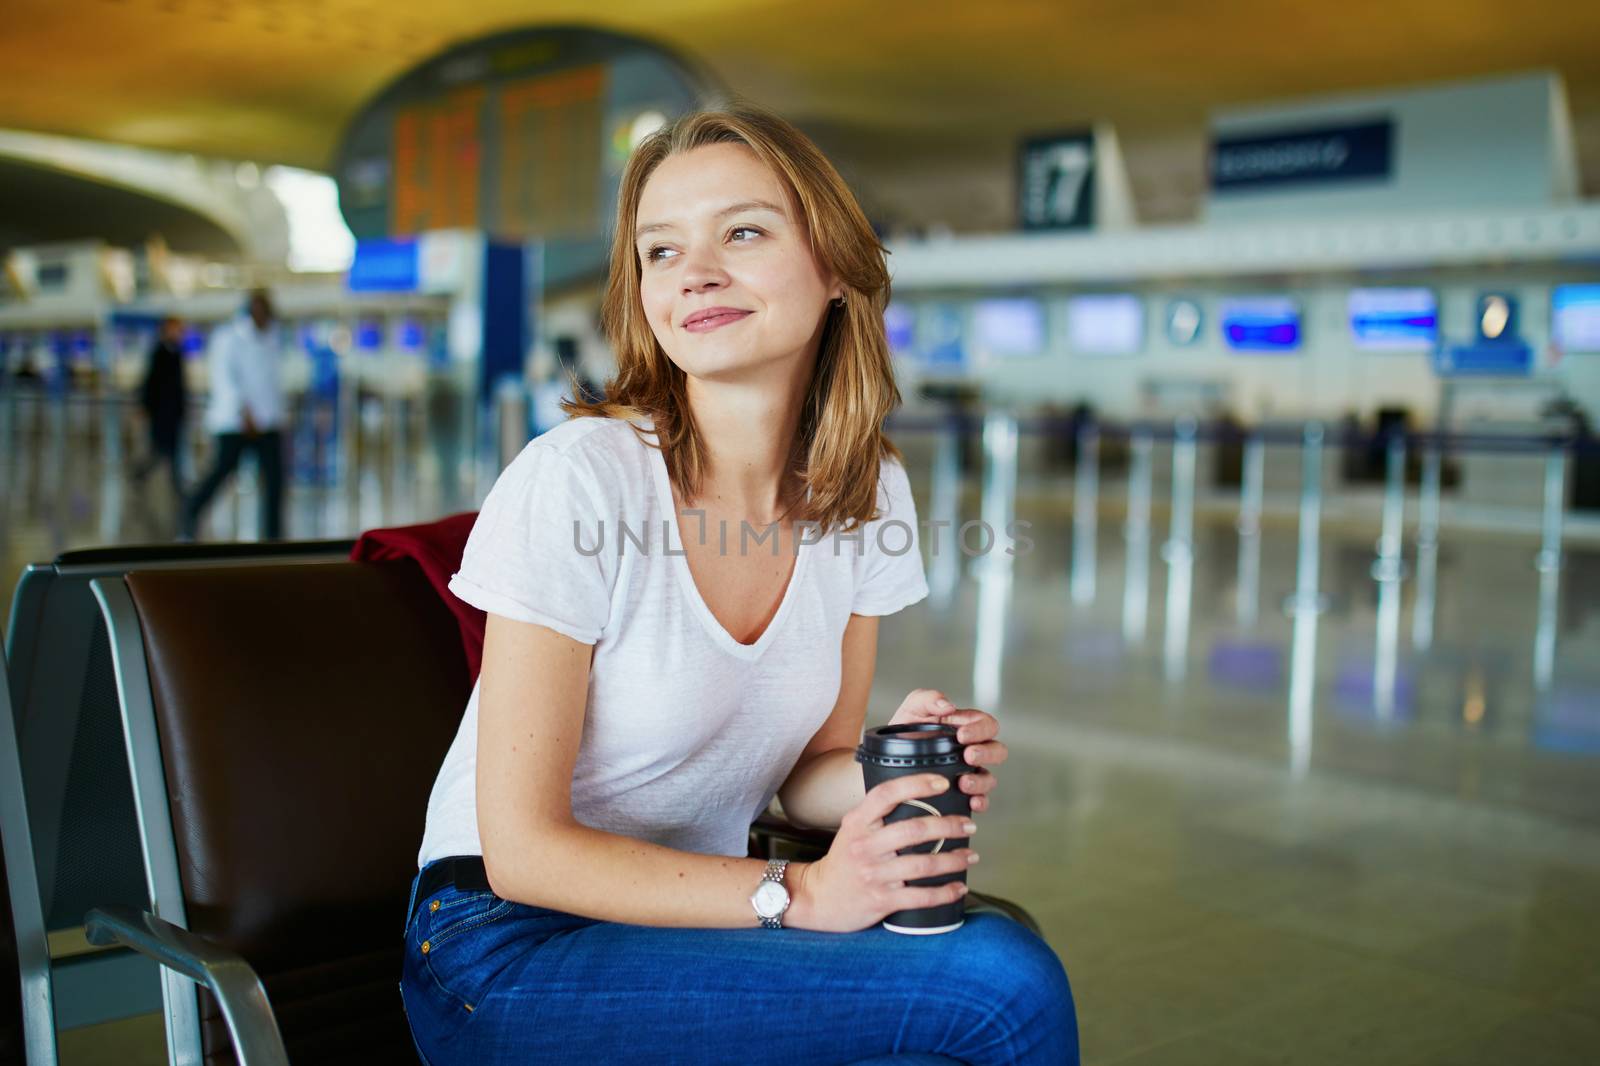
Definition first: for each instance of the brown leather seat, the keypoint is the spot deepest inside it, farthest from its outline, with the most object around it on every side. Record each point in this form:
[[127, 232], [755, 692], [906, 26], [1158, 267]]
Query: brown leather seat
[[303, 713]]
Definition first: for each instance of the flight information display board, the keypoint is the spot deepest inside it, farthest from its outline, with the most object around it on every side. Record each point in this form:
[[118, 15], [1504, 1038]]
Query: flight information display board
[[521, 135]]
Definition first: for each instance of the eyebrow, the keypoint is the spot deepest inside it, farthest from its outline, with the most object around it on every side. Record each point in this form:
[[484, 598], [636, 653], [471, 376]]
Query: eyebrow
[[731, 209]]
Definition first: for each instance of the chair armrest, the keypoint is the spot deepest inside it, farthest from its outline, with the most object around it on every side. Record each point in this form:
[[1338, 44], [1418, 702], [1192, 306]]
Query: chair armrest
[[982, 901], [769, 830], [251, 1024]]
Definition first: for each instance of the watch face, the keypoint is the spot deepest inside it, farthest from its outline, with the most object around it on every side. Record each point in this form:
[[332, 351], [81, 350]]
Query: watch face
[[770, 899]]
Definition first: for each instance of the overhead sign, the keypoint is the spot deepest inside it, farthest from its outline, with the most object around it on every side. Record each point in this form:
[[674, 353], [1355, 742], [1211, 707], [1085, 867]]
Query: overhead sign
[[522, 135], [1496, 143], [1314, 155], [1056, 182]]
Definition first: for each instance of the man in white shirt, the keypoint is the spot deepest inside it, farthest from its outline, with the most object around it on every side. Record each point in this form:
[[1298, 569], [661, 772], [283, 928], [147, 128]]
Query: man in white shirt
[[246, 413]]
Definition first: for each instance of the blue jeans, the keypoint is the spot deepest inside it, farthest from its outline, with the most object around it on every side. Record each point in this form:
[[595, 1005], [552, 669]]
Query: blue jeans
[[491, 982]]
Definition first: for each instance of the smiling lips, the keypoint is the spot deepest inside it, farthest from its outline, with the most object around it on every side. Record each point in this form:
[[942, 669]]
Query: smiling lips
[[704, 321]]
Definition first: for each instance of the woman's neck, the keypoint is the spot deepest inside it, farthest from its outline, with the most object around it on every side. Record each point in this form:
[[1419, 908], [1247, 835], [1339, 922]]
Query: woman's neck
[[748, 429]]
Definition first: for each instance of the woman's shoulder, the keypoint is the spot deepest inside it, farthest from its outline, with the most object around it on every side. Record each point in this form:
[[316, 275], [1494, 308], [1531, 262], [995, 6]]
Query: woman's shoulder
[[894, 485], [591, 436], [605, 454]]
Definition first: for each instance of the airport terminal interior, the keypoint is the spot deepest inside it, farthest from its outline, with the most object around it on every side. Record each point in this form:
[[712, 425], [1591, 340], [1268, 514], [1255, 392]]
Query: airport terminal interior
[[1249, 357]]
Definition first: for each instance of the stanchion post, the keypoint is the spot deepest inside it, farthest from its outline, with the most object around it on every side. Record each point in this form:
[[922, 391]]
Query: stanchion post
[[1085, 507], [1136, 586], [1251, 493]]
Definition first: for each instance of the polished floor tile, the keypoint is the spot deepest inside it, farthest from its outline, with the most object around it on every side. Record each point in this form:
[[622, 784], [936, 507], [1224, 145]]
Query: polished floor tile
[[1380, 1016], [1546, 1037], [1378, 850]]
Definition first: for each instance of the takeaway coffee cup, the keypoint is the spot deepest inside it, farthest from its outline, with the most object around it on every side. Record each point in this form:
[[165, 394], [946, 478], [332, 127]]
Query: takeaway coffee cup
[[921, 748]]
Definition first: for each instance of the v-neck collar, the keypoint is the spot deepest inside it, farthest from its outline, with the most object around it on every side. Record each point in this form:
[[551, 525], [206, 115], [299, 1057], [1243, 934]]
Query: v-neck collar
[[679, 561]]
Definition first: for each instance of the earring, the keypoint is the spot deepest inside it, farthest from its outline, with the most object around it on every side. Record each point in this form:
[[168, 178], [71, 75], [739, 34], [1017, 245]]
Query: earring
[[840, 302]]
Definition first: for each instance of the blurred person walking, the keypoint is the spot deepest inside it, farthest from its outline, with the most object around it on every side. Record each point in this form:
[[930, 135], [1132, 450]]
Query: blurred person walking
[[164, 398], [246, 413]]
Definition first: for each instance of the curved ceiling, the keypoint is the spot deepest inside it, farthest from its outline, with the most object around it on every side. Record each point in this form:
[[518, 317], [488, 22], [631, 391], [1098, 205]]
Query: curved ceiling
[[923, 102], [60, 206]]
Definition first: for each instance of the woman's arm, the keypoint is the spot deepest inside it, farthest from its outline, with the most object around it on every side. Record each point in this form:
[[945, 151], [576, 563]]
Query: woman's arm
[[826, 782], [530, 721]]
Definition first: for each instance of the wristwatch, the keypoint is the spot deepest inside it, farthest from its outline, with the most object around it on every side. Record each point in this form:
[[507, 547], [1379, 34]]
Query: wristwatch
[[771, 899]]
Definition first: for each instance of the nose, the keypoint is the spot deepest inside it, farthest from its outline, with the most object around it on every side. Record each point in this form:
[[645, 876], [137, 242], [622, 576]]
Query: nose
[[703, 272]]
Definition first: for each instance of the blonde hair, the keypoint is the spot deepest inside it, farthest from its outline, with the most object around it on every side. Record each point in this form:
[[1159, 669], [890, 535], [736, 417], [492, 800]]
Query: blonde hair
[[839, 441]]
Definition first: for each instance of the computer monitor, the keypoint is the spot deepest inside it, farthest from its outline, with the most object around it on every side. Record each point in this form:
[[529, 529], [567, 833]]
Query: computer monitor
[[1394, 320], [943, 337], [1261, 324], [411, 336], [1106, 323], [369, 335], [1575, 318], [900, 323], [1008, 326]]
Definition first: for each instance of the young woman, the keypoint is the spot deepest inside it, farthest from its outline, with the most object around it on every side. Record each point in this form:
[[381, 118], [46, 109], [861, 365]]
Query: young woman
[[683, 586]]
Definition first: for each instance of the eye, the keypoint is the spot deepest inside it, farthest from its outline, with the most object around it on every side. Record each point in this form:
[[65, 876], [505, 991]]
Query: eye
[[752, 231], [657, 253]]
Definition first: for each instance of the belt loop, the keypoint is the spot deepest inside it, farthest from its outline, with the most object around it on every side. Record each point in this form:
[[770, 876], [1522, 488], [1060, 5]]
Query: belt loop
[[411, 907]]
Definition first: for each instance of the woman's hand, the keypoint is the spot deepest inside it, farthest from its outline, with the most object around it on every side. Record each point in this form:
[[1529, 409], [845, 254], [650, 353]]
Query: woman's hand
[[976, 729], [861, 880]]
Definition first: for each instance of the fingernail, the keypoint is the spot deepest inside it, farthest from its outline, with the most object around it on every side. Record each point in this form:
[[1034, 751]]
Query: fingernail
[[963, 890], [970, 827], [945, 705], [972, 857], [940, 784]]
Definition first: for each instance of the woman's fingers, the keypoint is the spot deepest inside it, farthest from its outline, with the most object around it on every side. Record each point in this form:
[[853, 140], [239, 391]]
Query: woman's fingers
[[883, 799], [980, 783], [923, 705], [991, 754], [914, 831], [904, 868], [974, 727], [915, 898]]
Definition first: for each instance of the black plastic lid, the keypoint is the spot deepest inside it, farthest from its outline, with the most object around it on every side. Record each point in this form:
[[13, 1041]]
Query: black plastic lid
[[917, 744]]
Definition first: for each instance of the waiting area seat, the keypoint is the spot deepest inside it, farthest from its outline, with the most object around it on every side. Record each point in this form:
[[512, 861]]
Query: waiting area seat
[[68, 726], [284, 726]]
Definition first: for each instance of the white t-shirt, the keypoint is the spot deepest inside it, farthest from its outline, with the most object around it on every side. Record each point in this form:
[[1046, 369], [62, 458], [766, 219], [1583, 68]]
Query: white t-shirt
[[245, 375], [687, 733]]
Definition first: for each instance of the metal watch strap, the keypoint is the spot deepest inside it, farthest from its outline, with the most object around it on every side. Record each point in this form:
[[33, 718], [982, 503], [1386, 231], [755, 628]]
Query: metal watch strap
[[774, 872]]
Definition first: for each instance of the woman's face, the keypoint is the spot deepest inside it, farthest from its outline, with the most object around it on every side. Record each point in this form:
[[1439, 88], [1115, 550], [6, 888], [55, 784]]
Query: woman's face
[[727, 277]]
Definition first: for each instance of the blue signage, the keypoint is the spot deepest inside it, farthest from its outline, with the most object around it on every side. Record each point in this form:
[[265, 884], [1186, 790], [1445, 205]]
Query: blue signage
[[1362, 152], [1261, 324], [384, 266], [1485, 359], [1396, 320]]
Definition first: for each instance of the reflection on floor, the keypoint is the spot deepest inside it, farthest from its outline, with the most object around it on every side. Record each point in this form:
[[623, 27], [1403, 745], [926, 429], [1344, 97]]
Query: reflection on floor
[[1253, 838]]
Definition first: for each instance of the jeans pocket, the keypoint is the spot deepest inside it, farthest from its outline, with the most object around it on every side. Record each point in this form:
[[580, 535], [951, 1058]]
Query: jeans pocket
[[452, 938], [453, 917]]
